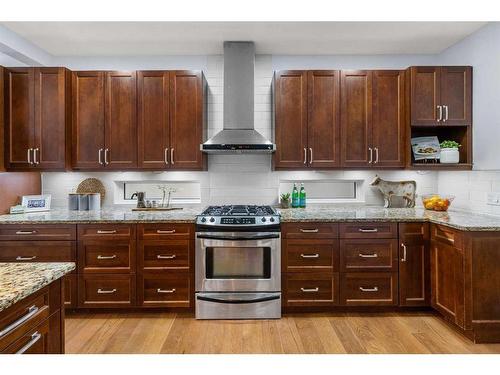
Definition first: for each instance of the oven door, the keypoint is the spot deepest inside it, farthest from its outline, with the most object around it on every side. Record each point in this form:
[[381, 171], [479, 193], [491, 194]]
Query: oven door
[[238, 262]]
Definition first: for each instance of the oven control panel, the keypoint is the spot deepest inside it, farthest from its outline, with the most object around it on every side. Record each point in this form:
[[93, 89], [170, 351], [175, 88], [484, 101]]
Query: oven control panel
[[237, 220]]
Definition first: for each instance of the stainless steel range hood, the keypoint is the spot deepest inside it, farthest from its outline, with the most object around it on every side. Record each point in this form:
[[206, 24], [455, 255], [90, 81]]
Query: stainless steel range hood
[[238, 134]]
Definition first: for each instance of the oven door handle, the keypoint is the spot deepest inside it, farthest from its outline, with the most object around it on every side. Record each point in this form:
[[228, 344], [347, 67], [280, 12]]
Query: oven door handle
[[238, 238], [238, 301]]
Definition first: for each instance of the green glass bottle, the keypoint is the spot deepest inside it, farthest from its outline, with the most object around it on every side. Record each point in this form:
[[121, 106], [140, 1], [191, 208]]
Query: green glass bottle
[[295, 196], [302, 196]]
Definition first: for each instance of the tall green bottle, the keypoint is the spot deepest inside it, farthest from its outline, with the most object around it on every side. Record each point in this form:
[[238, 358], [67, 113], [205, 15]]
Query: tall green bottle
[[302, 196], [295, 196]]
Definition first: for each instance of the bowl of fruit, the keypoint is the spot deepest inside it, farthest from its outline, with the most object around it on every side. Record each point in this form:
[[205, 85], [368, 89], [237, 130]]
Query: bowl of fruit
[[437, 202]]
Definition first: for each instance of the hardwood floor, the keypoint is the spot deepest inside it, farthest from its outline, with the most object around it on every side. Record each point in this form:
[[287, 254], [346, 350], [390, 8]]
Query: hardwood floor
[[166, 332]]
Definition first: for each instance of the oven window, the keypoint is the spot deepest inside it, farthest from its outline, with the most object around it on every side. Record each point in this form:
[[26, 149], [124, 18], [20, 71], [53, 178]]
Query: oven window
[[238, 262]]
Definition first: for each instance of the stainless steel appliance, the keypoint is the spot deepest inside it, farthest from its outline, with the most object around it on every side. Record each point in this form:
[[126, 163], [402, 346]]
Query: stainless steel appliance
[[238, 263]]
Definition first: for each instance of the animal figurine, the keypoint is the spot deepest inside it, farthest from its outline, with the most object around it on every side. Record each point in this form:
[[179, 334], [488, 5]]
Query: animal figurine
[[400, 194]]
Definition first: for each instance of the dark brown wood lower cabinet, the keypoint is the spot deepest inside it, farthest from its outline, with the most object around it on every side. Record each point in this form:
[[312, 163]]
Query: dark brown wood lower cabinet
[[70, 291], [106, 290], [369, 289], [172, 289], [311, 289]]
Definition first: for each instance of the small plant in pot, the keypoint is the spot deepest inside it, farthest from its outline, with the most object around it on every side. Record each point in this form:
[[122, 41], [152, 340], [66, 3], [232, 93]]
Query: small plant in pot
[[285, 200], [449, 152]]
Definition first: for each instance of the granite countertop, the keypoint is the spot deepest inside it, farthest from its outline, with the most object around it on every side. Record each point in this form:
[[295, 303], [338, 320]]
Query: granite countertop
[[463, 220], [19, 280]]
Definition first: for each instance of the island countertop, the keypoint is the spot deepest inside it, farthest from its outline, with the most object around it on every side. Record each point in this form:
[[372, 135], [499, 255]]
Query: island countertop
[[20, 280]]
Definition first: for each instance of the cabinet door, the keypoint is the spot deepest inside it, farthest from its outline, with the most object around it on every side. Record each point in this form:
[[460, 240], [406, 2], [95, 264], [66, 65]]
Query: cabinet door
[[88, 120], [456, 95], [356, 118], [187, 119], [388, 137], [50, 118], [290, 96], [19, 117], [323, 125], [414, 258], [425, 95], [121, 121], [153, 119]]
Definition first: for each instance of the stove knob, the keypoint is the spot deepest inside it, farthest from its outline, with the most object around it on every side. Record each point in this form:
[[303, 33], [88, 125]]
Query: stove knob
[[271, 220], [203, 219], [263, 219], [212, 219]]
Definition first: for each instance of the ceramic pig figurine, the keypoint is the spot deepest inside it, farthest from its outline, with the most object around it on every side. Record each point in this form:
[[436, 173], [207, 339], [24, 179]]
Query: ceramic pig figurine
[[397, 194]]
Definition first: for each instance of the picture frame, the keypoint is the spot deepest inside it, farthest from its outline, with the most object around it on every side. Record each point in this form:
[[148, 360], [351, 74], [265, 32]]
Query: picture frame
[[36, 203]]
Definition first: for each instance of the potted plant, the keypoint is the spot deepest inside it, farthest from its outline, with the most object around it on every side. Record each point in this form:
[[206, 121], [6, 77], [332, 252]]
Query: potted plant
[[285, 200], [449, 152]]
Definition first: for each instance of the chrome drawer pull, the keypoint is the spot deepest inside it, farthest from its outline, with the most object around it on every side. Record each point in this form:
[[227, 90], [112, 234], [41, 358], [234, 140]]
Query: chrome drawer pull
[[26, 232], [310, 290], [101, 257], [160, 256], [34, 338], [25, 258], [31, 312], [165, 290], [159, 231], [106, 231], [374, 255], [104, 291], [374, 289], [374, 230], [309, 255], [310, 230]]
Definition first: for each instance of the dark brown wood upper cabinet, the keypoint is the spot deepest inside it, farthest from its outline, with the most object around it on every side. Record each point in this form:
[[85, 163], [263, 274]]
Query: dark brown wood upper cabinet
[[356, 118], [37, 116], [441, 95]]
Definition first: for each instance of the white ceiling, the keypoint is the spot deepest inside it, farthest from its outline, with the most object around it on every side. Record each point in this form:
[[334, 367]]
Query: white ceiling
[[200, 38]]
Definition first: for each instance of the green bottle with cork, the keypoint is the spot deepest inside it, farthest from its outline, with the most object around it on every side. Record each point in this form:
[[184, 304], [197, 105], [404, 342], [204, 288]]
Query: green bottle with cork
[[295, 196], [302, 196]]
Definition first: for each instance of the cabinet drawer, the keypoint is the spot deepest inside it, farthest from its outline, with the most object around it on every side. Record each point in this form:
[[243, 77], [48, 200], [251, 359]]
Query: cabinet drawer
[[70, 291], [35, 341], [310, 230], [311, 255], [318, 289], [446, 235], [158, 254], [156, 290], [106, 232], [106, 290], [369, 255], [413, 233], [359, 289], [41, 232], [165, 231], [369, 230], [37, 251], [106, 257]]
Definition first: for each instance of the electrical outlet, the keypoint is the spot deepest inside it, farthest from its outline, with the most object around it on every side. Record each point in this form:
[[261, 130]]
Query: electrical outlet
[[493, 199]]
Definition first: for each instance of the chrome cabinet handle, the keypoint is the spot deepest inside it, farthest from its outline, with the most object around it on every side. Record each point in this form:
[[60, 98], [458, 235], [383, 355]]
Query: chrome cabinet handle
[[106, 154], [35, 161], [106, 231], [100, 156], [160, 256], [309, 255], [102, 257], [305, 155], [374, 255], [31, 312], [34, 338], [376, 155], [445, 113], [159, 231], [29, 156], [25, 232], [309, 230], [104, 291], [311, 155], [440, 109], [403, 259], [374, 289], [165, 290], [371, 155], [165, 156], [373, 230], [310, 290], [19, 257], [172, 156]]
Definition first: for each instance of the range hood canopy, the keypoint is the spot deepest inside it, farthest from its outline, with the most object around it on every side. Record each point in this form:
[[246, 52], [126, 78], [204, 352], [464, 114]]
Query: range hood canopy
[[238, 134]]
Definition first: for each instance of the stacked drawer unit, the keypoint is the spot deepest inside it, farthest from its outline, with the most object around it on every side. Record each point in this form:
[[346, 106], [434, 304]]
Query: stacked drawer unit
[[310, 264], [369, 264]]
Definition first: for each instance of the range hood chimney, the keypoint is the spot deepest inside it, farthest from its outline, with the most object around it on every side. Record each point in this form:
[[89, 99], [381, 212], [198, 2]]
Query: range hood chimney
[[238, 134]]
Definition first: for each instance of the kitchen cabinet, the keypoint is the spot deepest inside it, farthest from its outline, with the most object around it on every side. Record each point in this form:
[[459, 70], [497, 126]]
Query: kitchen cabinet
[[37, 110], [2, 146]]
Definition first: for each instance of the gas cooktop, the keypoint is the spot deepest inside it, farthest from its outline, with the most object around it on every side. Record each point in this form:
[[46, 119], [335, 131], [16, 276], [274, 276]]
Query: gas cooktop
[[238, 215]]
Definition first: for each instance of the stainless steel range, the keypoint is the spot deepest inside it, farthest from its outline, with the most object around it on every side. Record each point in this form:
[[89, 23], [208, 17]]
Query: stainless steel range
[[238, 263]]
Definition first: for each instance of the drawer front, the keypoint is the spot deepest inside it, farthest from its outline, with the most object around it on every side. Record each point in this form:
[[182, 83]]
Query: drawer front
[[106, 257], [35, 341], [310, 230], [106, 290], [155, 290], [70, 291], [37, 251], [368, 230], [158, 254], [413, 233], [106, 232], [310, 255], [369, 255], [364, 289], [446, 235], [165, 231], [319, 289], [40, 232]]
